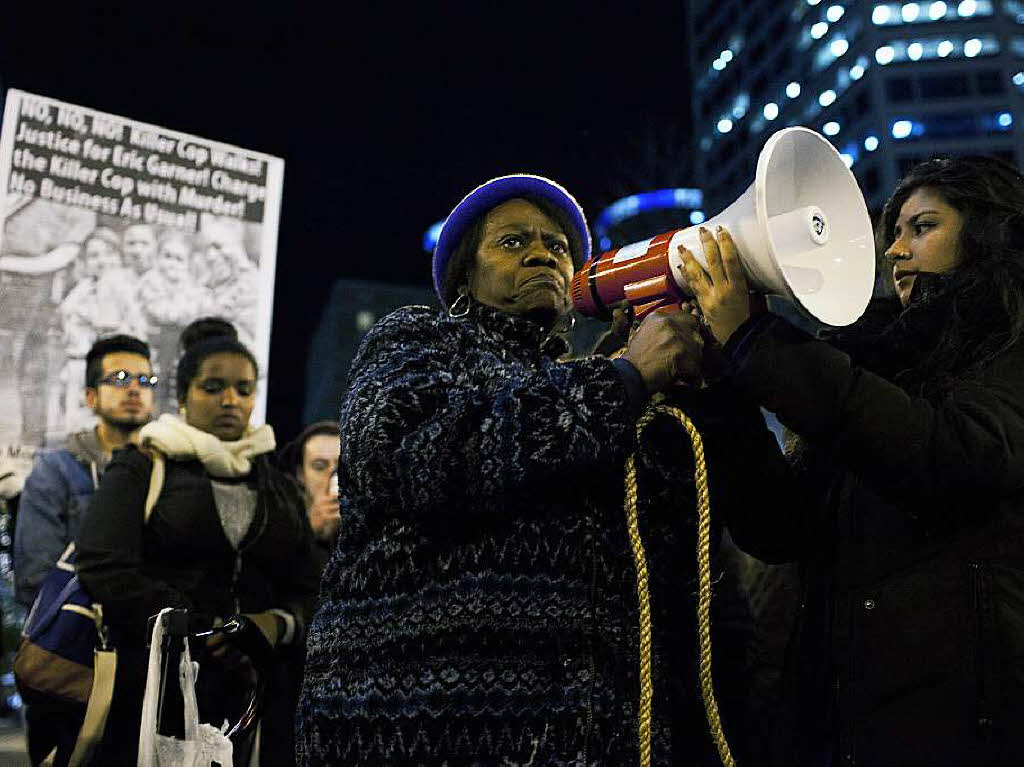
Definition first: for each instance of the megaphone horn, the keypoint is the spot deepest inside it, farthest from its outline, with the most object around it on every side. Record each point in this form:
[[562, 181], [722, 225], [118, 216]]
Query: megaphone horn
[[802, 231]]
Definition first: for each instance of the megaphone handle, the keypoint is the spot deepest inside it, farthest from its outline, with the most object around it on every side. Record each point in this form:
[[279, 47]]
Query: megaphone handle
[[639, 312]]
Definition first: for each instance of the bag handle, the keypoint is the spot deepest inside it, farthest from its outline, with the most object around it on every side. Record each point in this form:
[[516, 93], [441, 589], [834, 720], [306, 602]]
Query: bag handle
[[147, 730]]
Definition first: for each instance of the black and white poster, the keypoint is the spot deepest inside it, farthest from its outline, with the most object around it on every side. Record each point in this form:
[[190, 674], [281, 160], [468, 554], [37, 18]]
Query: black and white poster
[[109, 225]]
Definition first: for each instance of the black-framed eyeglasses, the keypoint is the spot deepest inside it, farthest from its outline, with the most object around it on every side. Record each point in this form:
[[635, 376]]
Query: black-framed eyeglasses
[[122, 379]]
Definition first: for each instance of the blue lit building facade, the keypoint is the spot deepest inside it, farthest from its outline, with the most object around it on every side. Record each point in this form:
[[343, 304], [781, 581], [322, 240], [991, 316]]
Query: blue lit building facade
[[889, 83]]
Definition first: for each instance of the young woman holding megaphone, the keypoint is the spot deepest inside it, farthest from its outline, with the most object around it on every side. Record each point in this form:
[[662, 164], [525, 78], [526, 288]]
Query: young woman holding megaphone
[[904, 503]]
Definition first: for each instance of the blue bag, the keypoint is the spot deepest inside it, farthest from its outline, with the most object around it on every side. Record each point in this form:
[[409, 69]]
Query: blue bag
[[61, 636]]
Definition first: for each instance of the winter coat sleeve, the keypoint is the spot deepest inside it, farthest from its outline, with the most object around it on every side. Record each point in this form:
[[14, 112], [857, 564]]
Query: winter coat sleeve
[[41, 534], [423, 434], [299, 582], [110, 545], [921, 452], [751, 487]]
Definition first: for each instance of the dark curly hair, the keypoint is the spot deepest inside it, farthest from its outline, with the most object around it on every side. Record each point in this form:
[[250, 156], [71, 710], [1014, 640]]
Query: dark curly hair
[[976, 312], [109, 345], [203, 338]]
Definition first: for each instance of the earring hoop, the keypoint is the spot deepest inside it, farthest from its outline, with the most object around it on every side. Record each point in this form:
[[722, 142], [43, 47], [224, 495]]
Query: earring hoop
[[460, 306]]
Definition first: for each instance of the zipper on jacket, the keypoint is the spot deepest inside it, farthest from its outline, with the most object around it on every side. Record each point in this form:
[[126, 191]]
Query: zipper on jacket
[[234, 582], [979, 582]]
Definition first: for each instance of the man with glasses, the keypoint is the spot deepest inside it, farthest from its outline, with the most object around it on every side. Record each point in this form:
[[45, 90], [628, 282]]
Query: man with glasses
[[119, 384]]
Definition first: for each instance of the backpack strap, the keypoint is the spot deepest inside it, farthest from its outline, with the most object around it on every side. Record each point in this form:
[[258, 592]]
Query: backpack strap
[[156, 481], [65, 563], [104, 669]]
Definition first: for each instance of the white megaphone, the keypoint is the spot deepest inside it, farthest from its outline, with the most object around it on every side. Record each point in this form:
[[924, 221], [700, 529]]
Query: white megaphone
[[802, 231]]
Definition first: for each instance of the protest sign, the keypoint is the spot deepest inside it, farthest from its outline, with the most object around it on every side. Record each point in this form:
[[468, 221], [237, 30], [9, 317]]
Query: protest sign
[[108, 226]]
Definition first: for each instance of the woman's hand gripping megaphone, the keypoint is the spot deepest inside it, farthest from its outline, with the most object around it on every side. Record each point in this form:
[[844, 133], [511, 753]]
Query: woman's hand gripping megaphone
[[722, 293], [666, 348]]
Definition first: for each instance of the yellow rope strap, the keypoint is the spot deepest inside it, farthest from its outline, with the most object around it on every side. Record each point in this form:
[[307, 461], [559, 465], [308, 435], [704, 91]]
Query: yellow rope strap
[[704, 581]]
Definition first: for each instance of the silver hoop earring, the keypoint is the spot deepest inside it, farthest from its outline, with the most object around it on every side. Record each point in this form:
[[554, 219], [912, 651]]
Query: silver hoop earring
[[460, 306]]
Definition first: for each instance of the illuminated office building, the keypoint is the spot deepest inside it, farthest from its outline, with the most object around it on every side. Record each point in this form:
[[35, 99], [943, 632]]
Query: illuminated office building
[[890, 84]]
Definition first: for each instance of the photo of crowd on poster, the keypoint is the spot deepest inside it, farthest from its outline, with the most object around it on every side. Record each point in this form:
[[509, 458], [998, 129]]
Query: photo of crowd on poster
[[109, 226]]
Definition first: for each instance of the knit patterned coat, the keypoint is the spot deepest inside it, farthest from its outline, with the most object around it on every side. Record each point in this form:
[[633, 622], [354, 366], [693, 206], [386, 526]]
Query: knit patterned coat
[[480, 607]]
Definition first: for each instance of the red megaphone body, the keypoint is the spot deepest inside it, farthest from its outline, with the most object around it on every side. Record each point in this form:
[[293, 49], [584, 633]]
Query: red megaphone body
[[641, 273]]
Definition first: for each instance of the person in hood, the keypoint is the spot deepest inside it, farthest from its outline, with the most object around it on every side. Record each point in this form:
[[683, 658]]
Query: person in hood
[[119, 386], [904, 504]]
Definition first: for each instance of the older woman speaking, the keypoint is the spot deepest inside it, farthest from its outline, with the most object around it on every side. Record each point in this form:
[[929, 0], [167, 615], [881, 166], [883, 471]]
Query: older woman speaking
[[480, 606]]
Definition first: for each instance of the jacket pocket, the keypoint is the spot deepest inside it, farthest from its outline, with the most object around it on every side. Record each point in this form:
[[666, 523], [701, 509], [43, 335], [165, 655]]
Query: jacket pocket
[[997, 647]]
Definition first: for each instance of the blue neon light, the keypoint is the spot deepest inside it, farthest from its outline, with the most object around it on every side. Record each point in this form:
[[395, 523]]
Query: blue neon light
[[659, 199], [430, 236]]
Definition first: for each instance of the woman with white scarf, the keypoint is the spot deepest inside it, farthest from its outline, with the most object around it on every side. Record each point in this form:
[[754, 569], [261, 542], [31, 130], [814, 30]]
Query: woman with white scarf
[[197, 517]]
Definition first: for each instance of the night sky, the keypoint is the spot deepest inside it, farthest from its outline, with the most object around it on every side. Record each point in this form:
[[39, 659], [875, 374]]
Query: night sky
[[384, 117]]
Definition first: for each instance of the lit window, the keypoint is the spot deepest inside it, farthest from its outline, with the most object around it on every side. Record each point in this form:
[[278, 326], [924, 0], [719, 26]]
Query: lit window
[[871, 143], [915, 51], [827, 98], [901, 129], [856, 72], [771, 111], [944, 48], [884, 54], [936, 10], [967, 8], [724, 125], [793, 90], [910, 12], [740, 105], [1018, 79], [848, 159], [839, 47], [972, 47], [696, 217], [834, 13], [1005, 119], [718, 65], [726, 56], [830, 128], [818, 30], [881, 15]]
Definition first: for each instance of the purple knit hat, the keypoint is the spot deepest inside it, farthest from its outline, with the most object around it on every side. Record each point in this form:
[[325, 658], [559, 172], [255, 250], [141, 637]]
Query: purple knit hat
[[490, 195]]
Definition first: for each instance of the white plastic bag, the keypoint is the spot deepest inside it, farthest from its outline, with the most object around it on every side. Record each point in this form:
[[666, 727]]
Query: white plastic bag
[[204, 745]]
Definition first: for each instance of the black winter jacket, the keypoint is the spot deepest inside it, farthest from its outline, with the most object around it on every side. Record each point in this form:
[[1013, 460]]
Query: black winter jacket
[[181, 558], [908, 522]]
